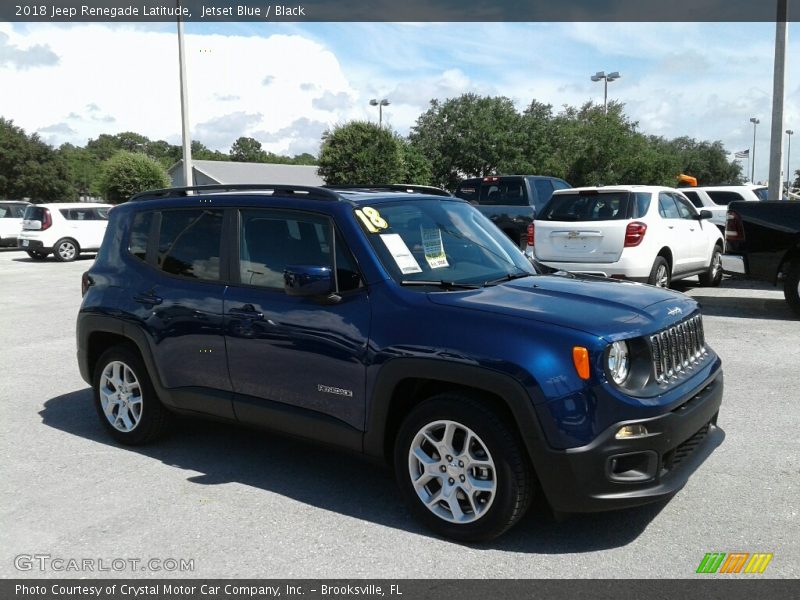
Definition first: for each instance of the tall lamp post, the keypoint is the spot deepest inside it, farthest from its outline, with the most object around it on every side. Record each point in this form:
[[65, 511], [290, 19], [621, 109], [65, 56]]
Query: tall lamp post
[[380, 104], [188, 178], [789, 134], [755, 123], [601, 75]]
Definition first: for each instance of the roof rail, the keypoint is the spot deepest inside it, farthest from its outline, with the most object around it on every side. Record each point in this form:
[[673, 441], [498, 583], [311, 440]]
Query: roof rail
[[410, 188], [316, 193]]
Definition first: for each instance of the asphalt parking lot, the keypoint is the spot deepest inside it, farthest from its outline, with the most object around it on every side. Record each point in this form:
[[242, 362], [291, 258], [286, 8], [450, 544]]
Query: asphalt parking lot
[[242, 503]]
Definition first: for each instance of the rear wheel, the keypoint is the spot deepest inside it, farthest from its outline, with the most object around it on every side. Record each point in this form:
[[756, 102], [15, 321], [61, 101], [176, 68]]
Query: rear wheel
[[713, 275], [125, 400], [660, 275], [791, 287], [461, 469], [37, 254], [66, 250]]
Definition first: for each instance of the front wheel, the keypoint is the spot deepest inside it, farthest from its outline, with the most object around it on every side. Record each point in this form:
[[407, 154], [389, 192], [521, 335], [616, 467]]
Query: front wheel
[[712, 277], [125, 400], [791, 288], [461, 469]]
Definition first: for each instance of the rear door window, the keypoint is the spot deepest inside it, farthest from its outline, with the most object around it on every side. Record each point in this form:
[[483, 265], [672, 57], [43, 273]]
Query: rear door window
[[605, 206], [504, 192], [189, 243], [724, 197], [667, 207], [544, 190]]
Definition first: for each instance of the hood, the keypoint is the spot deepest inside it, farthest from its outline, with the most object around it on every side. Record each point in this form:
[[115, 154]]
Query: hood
[[602, 307]]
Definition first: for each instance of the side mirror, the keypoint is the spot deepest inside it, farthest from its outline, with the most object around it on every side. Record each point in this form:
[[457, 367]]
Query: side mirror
[[704, 214], [301, 280]]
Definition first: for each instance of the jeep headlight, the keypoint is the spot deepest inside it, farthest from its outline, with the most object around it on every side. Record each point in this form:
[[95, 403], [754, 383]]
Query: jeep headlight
[[619, 362]]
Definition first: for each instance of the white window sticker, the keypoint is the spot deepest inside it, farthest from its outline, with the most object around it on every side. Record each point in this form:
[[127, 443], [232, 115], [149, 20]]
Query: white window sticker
[[400, 253], [434, 248]]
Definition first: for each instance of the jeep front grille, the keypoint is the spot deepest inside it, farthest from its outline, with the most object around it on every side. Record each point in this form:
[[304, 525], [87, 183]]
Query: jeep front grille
[[678, 349]]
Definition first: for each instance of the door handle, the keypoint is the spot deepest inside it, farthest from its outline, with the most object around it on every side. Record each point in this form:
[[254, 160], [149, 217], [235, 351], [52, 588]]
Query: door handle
[[248, 310], [670, 226], [148, 298]]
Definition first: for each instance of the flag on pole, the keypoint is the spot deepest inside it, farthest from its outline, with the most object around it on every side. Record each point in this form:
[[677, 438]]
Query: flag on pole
[[743, 154]]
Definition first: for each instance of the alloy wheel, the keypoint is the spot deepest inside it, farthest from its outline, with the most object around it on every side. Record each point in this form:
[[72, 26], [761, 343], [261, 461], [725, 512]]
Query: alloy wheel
[[121, 396], [662, 277], [67, 250], [452, 471]]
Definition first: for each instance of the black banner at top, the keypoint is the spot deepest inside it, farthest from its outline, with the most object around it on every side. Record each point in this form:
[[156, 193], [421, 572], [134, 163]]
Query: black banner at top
[[398, 10]]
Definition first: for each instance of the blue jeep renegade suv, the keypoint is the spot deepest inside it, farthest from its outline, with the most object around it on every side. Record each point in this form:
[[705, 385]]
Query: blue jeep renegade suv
[[405, 326]]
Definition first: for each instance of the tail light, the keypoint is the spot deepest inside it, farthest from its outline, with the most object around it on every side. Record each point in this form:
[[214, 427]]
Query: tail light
[[491, 179], [47, 221], [86, 283], [634, 234], [530, 233], [734, 231]]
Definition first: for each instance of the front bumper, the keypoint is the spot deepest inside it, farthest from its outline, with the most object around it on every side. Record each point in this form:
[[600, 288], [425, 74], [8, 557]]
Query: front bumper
[[647, 469]]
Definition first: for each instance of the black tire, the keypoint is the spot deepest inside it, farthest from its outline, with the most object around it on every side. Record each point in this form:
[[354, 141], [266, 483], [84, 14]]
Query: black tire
[[37, 254], [154, 418], [656, 274], [791, 288], [66, 250], [713, 275], [513, 474]]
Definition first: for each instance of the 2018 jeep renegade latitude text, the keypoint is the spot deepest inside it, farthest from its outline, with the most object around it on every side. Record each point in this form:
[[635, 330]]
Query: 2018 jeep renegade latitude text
[[407, 327]]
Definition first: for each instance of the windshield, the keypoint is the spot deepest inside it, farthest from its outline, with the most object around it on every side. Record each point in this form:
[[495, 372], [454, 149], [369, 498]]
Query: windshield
[[440, 241]]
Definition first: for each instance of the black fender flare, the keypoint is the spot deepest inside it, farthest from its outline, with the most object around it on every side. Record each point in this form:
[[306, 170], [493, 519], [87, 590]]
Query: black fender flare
[[510, 390]]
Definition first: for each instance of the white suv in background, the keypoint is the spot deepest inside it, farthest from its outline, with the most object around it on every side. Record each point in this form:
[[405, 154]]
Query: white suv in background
[[716, 198], [11, 212], [640, 233], [66, 230]]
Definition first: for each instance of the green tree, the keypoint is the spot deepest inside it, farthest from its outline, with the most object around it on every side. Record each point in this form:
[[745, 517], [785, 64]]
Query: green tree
[[247, 149], [417, 168], [83, 166], [707, 161], [304, 159], [359, 152], [128, 173], [468, 136], [30, 168]]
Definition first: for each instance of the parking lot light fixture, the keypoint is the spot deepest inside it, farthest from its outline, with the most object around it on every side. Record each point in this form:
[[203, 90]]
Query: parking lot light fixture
[[601, 75], [380, 104]]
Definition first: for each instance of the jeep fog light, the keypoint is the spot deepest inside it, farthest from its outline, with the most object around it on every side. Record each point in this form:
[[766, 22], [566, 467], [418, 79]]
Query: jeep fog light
[[629, 432], [619, 362]]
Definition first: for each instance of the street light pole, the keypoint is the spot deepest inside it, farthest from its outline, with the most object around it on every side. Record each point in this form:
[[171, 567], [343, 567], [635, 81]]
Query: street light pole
[[606, 79], [755, 123], [188, 178], [789, 134], [380, 104]]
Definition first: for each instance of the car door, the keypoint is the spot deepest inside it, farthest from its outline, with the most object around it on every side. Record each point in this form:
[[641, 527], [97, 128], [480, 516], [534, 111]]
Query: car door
[[86, 225], [696, 236], [290, 351], [676, 233], [176, 297]]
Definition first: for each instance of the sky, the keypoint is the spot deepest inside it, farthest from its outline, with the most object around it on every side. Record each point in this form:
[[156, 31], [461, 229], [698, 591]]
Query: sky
[[285, 84]]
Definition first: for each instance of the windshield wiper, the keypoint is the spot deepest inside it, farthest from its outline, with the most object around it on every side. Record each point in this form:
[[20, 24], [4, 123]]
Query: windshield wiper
[[446, 285], [508, 277]]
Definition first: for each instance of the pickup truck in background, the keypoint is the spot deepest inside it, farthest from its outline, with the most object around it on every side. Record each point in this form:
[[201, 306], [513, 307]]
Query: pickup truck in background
[[510, 201], [763, 242]]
